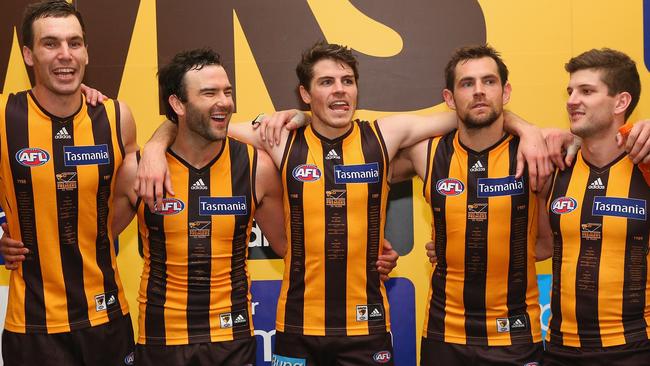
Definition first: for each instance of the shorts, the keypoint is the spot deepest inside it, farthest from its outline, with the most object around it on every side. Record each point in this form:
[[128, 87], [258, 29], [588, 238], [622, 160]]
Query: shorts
[[436, 353], [108, 344], [631, 354], [300, 350], [240, 352]]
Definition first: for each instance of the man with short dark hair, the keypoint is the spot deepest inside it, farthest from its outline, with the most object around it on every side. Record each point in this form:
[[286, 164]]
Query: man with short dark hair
[[59, 159]]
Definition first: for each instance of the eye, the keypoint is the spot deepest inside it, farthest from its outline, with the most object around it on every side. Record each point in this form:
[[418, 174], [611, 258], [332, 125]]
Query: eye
[[228, 93], [76, 44], [348, 81], [326, 82], [466, 84], [587, 92]]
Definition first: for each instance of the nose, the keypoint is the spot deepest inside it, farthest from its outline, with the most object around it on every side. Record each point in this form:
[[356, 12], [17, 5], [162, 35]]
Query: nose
[[479, 89], [573, 99], [338, 86], [65, 51]]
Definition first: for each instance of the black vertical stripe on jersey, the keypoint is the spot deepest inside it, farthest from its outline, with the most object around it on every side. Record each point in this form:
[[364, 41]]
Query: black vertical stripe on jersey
[[199, 269], [118, 129], [518, 263], [154, 320], [635, 280], [336, 247], [67, 203], [241, 186], [588, 268], [374, 150], [559, 189], [295, 305], [475, 258], [439, 169], [102, 136], [17, 134]]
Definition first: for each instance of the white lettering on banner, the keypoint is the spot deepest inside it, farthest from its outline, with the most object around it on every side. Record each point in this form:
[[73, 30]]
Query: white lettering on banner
[[254, 305], [266, 342]]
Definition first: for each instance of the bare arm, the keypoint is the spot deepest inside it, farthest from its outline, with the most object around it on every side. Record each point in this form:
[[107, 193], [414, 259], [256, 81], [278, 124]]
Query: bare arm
[[124, 197], [127, 129], [409, 162], [269, 214], [544, 245]]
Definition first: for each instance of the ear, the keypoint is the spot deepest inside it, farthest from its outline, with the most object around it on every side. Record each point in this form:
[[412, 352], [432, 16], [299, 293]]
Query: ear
[[304, 94], [507, 89], [448, 95], [27, 56], [177, 105], [87, 55], [623, 100]]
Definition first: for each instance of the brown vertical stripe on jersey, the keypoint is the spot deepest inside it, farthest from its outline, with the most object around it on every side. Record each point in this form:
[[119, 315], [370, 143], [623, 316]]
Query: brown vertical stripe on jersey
[[67, 202], [104, 243], [635, 282], [295, 303], [17, 127], [518, 266], [438, 166], [242, 185], [154, 319], [373, 147], [560, 186], [476, 235]]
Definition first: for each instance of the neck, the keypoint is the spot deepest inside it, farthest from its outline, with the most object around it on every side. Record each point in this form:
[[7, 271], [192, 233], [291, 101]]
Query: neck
[[57, 104], [479, 139], [330, 132], [195, 150], [601, 149]]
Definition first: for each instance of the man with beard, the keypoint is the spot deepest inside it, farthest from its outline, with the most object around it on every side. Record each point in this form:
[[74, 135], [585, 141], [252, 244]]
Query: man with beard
[[195, 290], [66, 303], [597, 225], [482, 306]]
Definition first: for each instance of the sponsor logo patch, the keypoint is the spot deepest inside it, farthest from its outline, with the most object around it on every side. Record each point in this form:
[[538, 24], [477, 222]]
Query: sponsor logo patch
[[362, 173], [563, 205], [503, 325], [335, 198], [225, 320], [596, 184], [199, 185], [100, 302], [287, 361], [590, 231], [630, 208], [375, 312], [495, 187], [86, 155], [62, 134], [332, 155], [200, 229], [66, 181], [209, 206], [169, 206], [306, 173], [32, 157], [477, 212], [450, 187], [382, 357], [477, 167]]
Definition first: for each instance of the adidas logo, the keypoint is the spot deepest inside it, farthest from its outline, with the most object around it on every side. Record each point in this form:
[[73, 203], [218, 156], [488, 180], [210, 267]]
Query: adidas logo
[[375, 313], [62, 134], [199, 185], [332, 155], [240, 319], [517, 323], [111, 300], [597, 184], [478, 167]]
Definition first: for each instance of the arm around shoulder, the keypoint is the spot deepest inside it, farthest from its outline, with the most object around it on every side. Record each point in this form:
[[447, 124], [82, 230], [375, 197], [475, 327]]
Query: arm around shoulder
[[127, 128], [270, 214]]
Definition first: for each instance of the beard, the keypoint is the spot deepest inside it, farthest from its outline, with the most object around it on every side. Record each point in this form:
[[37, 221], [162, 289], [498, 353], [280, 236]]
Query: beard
[[484, 121], [199, 122]]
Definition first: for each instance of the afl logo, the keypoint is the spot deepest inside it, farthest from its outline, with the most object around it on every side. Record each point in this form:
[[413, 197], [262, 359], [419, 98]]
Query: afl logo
[[306, 173], [450, 187], [382, 357], [563, 205], [32, 156], [169, 206]]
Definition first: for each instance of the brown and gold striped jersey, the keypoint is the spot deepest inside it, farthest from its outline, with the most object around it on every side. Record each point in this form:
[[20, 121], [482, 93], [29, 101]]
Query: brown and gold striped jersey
[[335, 194], [56, 187], [599, 219], [483, 287], [195, 281]]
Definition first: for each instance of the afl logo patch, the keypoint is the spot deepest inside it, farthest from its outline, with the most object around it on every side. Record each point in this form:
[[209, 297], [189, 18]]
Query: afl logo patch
[[563, 205], [169, 206], [450, 187], [382, 357], [306, 173], [32, 156]]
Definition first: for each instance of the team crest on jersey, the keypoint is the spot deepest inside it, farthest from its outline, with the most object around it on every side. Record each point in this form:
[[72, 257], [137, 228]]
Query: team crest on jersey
[[563, 205], [209, 206], [169, 206], [66, 181], [32, 157], [362, 313], [450, 187], [630, 208], [503, 325], [86, 155], [233, 319], [335, 198], [360, 173], [306, 173], [495, 187], [590, 231], [382, 357], [477, 212]]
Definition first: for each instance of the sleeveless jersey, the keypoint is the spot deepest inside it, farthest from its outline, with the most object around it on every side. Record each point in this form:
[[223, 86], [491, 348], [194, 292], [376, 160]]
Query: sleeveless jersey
[[483, 286], [195, 281], [335, 195], [57, 181], [599, 219]]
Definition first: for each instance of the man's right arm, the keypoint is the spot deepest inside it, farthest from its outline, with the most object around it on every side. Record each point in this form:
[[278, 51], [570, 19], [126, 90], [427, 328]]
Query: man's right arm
[[544, 244]]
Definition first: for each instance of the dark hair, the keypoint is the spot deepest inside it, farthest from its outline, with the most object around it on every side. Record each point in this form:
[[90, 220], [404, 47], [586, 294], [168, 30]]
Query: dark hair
[[171, 77], [46, 9], [619, 72], [323, 50], [472, 53]]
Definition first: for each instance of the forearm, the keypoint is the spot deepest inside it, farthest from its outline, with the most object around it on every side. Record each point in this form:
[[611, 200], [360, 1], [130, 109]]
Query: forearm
[[163, 137]]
